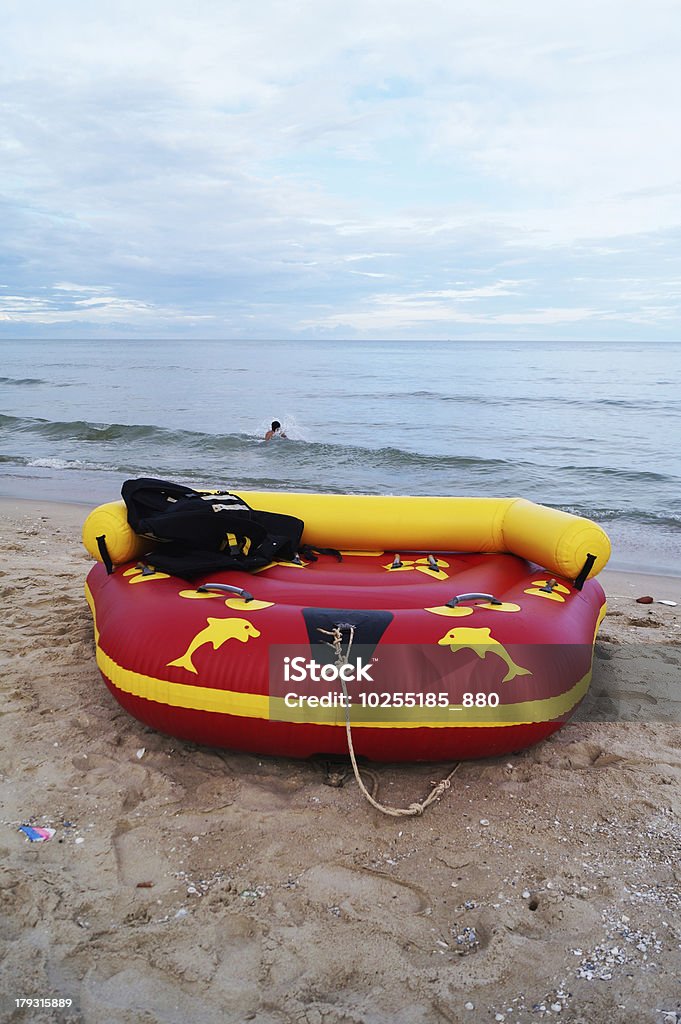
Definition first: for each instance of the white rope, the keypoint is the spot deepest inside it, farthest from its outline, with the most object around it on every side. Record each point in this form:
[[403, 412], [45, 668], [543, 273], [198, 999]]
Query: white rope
[[413, 809]]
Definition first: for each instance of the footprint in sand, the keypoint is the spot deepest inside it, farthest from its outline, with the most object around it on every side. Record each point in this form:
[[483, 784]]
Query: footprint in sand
[[360, 890]]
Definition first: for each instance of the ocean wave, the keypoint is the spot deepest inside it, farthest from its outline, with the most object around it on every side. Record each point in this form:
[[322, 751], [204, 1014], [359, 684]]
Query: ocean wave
[[652, 522], [547, 401], [152, 445], [242, 460], [300, 452], [641, 517], [77, 464], [387, 457], [22, 381], [54, 462], [633, 475], [83, 430]]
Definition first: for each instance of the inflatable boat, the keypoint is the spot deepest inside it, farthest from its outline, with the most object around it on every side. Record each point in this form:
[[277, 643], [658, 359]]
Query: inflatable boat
[[433, 627]]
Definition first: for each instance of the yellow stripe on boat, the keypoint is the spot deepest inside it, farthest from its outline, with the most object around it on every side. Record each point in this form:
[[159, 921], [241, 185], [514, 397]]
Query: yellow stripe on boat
[[261, 706]]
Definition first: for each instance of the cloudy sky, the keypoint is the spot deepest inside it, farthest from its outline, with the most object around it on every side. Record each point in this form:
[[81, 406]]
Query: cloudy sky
[[364, 168]]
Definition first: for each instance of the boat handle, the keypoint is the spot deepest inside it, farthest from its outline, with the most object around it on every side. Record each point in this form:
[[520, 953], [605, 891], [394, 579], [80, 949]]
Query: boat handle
[[472, 597], [225, 588]]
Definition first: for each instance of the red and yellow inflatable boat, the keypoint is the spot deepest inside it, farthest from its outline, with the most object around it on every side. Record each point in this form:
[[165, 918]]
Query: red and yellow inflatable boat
[[452, 628]]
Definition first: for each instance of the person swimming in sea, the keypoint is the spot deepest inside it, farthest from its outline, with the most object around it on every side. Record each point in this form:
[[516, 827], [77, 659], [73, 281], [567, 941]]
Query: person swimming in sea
[[276, 431]]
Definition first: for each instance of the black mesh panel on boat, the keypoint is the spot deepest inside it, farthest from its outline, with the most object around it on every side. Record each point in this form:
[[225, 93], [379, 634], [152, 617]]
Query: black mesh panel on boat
[[369, 627]]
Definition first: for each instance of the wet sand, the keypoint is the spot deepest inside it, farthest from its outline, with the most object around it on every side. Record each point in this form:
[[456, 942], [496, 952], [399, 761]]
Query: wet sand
[[189, 884]]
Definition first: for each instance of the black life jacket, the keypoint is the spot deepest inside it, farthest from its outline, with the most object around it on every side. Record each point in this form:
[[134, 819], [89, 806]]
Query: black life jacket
[[198, 532]]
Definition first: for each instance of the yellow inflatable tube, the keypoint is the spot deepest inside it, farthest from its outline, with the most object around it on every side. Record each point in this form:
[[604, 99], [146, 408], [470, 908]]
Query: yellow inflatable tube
[[557, 541]]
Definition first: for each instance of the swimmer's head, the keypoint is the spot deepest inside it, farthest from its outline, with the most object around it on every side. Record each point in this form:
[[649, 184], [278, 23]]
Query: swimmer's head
[[276, 425]]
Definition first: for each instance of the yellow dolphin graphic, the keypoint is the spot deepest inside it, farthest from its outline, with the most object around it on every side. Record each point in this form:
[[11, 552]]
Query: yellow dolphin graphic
[[482, 643], [217, 632]]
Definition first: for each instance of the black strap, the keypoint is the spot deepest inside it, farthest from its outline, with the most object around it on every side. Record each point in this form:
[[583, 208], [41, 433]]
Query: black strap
[[586, 569], [104, 552], [309, 553]]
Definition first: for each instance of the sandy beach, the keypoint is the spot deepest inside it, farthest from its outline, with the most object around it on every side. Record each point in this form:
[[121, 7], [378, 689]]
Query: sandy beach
[[188, 884]]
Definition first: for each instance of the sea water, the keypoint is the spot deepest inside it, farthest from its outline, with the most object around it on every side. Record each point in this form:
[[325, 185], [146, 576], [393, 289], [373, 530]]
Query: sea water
[[592, 428]]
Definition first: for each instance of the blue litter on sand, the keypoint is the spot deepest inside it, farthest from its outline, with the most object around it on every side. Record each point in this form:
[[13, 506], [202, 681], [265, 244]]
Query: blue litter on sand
[[37, 835]]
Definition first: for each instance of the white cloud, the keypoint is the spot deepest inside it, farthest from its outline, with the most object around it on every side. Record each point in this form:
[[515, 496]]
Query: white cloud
[[237, 162], [417, 313], [31, 309], [79, 289]]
